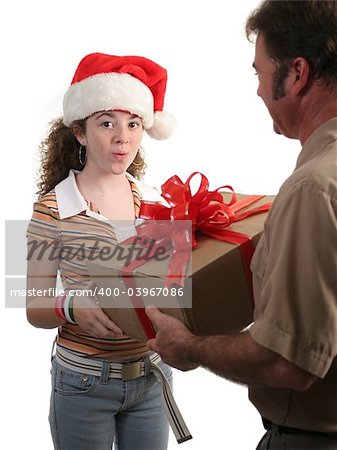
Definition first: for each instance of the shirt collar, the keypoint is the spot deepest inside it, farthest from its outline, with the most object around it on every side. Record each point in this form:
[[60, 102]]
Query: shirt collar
[[319, 139], [69, 199]]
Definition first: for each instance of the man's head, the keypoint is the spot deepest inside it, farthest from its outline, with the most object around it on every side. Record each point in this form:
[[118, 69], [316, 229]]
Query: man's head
[[298, 29], [295, 59]]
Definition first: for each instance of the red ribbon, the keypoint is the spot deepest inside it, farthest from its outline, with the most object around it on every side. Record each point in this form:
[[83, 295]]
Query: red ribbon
[[163, 235], [209, 214]]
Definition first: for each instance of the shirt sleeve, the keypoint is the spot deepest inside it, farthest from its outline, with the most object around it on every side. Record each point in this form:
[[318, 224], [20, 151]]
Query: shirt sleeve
[[43, 228], [297, 308]]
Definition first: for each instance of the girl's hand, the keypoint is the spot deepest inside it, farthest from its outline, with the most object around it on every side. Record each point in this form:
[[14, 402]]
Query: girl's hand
[[89, 316]]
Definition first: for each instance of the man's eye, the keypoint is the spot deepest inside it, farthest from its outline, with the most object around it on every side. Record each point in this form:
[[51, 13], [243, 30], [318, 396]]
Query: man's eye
[[107, 124]]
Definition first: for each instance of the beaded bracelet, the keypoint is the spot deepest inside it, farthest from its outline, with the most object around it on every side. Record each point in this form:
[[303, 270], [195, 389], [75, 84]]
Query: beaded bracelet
[[68, 302], [59, 306]]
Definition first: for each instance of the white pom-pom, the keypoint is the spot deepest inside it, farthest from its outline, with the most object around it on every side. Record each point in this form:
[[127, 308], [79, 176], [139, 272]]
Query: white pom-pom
[[163, 126]]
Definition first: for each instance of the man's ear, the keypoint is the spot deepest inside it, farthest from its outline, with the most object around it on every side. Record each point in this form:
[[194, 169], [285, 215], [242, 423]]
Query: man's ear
[[300, 71]]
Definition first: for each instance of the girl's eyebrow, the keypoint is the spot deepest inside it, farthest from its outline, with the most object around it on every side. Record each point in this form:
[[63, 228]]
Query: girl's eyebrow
[[112, 115]]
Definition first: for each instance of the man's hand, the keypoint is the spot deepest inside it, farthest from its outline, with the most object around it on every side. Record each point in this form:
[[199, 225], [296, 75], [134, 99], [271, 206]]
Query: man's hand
[[173, 341]]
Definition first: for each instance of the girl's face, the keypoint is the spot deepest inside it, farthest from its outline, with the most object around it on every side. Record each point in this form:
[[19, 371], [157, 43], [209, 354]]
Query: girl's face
[[112, 139]]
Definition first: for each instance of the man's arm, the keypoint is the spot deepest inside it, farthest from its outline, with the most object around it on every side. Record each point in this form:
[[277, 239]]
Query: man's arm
[[236, 357]]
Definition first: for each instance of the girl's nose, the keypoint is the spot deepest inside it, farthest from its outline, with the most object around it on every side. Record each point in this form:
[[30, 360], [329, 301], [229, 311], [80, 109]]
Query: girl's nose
[[121, 136]]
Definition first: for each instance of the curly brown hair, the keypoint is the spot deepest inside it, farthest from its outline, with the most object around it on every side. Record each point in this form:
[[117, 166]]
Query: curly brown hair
[[59, 154]]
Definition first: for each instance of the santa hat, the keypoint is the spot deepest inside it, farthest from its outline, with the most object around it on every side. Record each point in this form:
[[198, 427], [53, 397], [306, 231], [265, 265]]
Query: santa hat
[[130, 83]]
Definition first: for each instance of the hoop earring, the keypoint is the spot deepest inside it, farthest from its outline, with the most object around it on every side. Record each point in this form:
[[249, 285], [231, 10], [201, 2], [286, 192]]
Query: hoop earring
[[80, 155], [139, 164]]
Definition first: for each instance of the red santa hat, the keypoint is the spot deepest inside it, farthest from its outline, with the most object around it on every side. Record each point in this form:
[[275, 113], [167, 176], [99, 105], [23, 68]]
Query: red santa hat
[[130, 83]]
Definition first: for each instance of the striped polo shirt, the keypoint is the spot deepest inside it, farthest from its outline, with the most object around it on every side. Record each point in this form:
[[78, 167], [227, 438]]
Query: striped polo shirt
[[75, 228]]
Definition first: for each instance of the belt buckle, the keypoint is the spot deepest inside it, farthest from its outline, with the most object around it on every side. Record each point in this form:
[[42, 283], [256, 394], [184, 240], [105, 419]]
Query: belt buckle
[[131, 370]]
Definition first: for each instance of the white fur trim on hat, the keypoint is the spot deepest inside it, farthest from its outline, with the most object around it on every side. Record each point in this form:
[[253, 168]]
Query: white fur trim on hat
[[164, 124], [108, 91]]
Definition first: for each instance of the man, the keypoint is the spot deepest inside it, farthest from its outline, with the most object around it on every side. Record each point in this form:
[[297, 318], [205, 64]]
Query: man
[[288, 355]]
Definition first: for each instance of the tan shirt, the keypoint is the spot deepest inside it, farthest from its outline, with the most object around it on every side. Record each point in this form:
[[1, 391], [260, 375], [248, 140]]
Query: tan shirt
[[295, 286]]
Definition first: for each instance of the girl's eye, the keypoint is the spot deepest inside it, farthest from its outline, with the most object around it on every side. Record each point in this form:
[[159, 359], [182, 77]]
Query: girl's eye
[[107, 124], [134, 125]]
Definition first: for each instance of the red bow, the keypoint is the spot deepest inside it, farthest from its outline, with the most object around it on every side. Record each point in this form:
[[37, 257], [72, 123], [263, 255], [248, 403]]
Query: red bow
[[207, 210]]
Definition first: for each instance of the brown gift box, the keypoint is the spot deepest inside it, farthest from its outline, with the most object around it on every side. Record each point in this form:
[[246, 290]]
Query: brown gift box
[[222, 300]]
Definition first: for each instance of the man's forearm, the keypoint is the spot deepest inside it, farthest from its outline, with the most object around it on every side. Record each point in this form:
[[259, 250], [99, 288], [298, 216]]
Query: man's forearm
[[240, 359], [231, 356], [236, 357]]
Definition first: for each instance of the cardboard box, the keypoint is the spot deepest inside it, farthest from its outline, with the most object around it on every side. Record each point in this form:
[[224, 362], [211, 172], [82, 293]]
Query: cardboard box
[[216, 279]]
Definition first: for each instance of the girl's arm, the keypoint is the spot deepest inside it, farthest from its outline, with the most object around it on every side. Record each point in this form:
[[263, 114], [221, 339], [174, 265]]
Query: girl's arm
[[41, 279]]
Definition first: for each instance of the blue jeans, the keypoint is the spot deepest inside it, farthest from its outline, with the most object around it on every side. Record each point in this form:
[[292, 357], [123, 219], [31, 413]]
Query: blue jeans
[[87, 413]]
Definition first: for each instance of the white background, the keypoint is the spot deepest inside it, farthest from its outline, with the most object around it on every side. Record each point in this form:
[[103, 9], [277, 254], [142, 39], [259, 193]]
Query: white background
[[224, 131]]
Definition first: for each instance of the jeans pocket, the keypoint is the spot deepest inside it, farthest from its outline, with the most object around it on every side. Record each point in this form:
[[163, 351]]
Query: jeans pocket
[[70, 382], [167, 370]]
